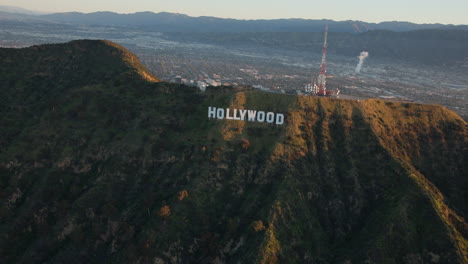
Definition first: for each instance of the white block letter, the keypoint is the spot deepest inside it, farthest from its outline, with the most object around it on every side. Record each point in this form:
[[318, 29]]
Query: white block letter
[[270, 117], [242, 114], [261, 116], [227, 114], [279, 119], [251, 115], [236, 117], [211, 112], [220, 113]]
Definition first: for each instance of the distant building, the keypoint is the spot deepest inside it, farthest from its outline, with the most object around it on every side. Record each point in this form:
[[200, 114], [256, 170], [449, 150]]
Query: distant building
[[201, 86], [189, 82], [260, 87], [311, 88], [212, 82]]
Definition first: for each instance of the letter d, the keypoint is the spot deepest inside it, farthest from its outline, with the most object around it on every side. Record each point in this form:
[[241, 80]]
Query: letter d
[[279, 119]]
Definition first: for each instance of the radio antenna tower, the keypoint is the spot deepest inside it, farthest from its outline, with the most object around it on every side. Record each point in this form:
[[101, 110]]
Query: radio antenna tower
[[322, 78]]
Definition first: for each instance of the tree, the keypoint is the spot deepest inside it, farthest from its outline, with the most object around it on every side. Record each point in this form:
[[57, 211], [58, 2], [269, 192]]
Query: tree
[[165, 211], [258, 226], [182, 195]]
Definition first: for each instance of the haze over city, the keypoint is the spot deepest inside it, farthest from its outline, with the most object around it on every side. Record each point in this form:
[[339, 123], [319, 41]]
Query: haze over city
[[418, 11]]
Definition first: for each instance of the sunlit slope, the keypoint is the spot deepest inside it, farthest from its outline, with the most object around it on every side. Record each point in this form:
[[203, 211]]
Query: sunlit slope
[[133, 171]]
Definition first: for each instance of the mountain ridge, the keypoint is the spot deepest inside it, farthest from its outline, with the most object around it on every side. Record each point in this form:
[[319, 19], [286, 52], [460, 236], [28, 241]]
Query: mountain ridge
[[215, 24], [119, 169], [175, 22], [19, 10]]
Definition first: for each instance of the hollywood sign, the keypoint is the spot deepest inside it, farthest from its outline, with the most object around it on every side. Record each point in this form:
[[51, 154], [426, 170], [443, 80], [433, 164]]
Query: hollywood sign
[[246, 115]]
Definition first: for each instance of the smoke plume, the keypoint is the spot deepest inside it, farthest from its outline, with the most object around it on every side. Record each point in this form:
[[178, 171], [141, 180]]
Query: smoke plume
[[361, 57]]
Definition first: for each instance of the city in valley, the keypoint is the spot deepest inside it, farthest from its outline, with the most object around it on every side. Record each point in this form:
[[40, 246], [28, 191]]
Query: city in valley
[[193, 59]]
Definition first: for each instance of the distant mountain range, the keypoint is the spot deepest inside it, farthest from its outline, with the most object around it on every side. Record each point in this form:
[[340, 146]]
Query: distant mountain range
[[19, 10], [171, 22]]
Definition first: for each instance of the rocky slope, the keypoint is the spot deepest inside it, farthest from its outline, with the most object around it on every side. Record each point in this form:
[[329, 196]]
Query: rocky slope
[[101, 163]]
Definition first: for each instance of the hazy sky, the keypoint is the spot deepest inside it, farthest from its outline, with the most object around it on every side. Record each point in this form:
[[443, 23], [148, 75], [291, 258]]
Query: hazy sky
[[419, 11]]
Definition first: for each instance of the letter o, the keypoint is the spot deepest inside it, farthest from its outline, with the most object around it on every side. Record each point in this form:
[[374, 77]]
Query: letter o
[[270, 117], [261, 116], [220, 113]]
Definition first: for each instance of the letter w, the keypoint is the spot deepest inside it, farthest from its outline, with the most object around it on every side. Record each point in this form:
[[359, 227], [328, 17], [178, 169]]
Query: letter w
[[251, 115]]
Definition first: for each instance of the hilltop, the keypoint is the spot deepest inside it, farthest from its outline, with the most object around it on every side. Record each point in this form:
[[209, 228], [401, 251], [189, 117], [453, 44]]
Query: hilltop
[[100, 162]]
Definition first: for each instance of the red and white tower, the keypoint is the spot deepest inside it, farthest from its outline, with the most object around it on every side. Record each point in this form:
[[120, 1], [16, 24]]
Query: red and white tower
[[322, 77], [319, 86]]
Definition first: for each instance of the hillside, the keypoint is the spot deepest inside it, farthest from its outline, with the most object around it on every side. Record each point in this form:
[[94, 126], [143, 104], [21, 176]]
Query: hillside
[[102, 163]]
